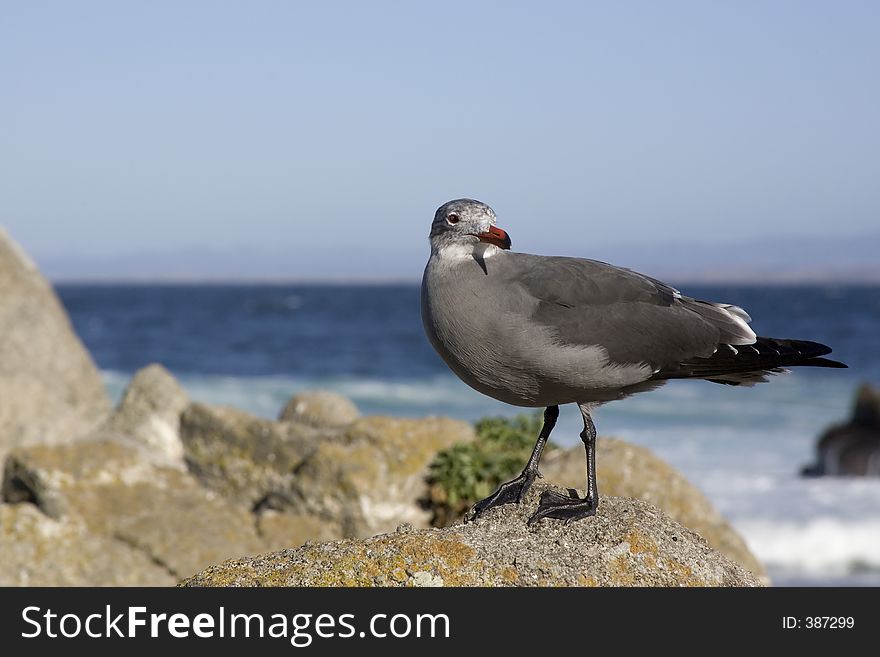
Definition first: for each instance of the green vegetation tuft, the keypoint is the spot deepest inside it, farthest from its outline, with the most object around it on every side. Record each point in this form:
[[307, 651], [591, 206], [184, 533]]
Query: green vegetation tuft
[[465, 473]]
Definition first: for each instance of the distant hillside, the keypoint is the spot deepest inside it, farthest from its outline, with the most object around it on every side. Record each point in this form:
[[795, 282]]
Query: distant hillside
[[726, 258], [794, 259]]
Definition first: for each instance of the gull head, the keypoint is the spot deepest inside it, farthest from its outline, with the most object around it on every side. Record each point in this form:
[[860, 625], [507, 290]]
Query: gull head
[[464, 224]]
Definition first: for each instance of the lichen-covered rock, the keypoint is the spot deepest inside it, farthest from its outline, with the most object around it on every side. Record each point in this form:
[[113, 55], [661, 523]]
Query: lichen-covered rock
[[279, 530], [362, 479], [372, 478], [50, 390], [41, 551], [159, 511], [852, 448], [628, 470], [244, 457], [628, 543], [149, 416], [320, 408]]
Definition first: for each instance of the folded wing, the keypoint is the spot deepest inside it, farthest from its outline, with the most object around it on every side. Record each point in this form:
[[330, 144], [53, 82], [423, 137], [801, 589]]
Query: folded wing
[[637, 319]]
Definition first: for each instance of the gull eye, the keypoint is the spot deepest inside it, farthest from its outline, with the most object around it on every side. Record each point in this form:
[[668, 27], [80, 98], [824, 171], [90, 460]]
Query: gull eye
[[452, 218]]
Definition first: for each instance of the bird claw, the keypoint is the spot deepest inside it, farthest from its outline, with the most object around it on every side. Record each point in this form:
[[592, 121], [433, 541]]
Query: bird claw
[[563, 507], [510, 492]]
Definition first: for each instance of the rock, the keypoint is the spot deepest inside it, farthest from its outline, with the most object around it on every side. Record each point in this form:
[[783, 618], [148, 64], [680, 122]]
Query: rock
[[371, 479], [40, 551], [366, 478], [319, 408], [149, 416], [50, 390], [160, 512], [627, 470], [866, 411], [852, 448], [628, 543], [280, 530], [248, 459]]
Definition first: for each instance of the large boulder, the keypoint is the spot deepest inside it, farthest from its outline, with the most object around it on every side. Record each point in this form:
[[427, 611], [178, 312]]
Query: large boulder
[[50, 390], [159, 511], [148, 416], [628, 470], [42, 551], [246, 458], [627, 543], [360, 479], [372, 478], [279, 529], [320, 408], [852, 448], [126, 487]]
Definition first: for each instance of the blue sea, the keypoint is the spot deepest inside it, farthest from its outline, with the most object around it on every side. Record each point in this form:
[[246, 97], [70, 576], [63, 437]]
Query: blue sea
[[254, 346]]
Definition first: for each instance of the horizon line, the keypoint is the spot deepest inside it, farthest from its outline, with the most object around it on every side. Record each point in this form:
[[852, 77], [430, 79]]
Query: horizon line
[[781, 279]]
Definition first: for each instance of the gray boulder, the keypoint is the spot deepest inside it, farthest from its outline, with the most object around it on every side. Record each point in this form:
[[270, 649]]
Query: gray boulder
[[246, 458], [114, 492], [278, 529], [41, 551], [372, 477], [359, 480], [50, 390], [852, 448], [148, 416], [628, 543], [320, 408], [628, 470]]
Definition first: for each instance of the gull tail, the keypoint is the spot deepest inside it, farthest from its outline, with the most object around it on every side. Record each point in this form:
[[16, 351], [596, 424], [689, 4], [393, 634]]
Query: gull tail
[[752, 363]]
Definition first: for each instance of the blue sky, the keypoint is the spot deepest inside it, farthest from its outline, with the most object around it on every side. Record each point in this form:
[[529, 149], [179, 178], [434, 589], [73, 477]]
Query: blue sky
[[283, 138]]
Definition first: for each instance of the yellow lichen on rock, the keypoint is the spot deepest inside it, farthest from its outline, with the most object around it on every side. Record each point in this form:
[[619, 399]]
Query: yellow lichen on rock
[[628, 470], [628, 543]]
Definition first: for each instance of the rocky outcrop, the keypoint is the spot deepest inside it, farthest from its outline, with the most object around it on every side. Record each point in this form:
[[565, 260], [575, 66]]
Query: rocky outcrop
[[125, 489], [852, 448], [245, 458], [166, 487], [279, 529], [628, 470], [360, 479], [371, 478], [627, 543], [148, 416], [41, 551], [50, 390], [114, 492], [319, 408]]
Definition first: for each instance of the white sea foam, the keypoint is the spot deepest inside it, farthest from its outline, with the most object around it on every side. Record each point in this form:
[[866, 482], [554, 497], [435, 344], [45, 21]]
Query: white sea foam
[[266, 395], [821, 547]]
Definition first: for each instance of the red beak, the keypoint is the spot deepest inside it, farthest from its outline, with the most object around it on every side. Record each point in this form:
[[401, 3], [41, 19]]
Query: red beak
[[495, 236]]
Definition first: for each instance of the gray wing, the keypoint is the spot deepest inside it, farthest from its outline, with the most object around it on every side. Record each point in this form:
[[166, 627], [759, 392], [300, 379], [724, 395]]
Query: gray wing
[[636, 319]]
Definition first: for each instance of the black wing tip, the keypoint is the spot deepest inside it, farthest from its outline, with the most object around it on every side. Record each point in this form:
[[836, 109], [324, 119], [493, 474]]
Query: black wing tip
[[813, 348], [825, 362], [805, 348], [741, 364], [809, 351]]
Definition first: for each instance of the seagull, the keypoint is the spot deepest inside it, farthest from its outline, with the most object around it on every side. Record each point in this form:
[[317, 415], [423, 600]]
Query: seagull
[[540, 331]]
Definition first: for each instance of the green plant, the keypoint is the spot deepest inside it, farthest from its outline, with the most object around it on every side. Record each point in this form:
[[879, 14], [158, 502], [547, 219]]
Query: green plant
[[467, 472]]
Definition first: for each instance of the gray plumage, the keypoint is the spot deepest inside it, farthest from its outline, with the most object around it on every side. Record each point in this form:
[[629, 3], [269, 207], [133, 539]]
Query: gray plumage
[[538, 330], [543, 331]]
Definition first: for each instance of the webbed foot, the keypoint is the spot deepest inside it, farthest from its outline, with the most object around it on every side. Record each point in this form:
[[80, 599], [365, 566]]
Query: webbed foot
[[510, 492], [564, 507]]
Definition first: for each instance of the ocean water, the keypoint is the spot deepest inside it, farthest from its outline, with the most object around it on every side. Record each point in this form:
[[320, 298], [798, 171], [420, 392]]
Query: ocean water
[[254, 346]]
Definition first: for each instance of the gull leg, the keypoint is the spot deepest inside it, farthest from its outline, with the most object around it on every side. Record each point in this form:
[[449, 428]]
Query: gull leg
[[515, 490], [562, 507]]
